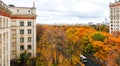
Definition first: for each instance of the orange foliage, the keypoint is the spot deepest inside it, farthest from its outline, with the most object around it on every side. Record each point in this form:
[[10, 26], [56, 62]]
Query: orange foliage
[[107, 50]]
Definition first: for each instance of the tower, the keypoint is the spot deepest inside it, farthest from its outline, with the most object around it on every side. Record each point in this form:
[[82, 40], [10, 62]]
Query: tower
[[33, 4], [115, 18]]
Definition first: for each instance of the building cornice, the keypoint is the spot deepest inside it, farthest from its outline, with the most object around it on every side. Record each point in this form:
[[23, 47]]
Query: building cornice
[[24, 7], [4, 13], [114, 4], [23, 17]]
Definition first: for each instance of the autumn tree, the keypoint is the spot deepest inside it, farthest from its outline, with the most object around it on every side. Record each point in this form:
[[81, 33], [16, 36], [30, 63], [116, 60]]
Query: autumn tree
[[113, 59], [70, 41], [39, 32], [55, 37], [77, 39], [102, 28], [117, 60]]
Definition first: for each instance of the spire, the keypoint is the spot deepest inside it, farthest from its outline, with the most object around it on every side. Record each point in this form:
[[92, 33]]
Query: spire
[[33, 4], [110, 2]]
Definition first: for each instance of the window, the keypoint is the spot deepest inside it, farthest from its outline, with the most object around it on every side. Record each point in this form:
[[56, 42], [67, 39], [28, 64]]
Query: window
[[117, 21], [111, 21], [21, 31], [21, 54], [21, 39], [117, 29], [17, 10], [29, 47], [111, 11], [111, 18], [117, 25], [28, 10], [111, 28], [29, 54], [21, 47], [29, 31], [111, 8], [29, 39], [29, 23], [117, 15], [21, 23]]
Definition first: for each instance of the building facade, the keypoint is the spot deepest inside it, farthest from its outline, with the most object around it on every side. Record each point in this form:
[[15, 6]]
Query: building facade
[[115, 17], [4, 35], [17, 32], [23, 31]]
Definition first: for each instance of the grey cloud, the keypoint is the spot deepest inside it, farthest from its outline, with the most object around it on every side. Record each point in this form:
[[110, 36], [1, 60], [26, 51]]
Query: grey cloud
[[49, 9]]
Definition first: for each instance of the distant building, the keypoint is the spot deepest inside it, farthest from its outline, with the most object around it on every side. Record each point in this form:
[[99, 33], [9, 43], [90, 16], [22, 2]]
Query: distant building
[[99, 24], [107, 24], [17, 32], [91, 23], [114, 17]]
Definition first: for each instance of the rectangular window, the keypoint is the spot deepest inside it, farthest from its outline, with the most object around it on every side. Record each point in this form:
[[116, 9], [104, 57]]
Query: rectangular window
[[111, 28], [111, 12], [21, 47], [111, 8], [21, 39], [21, 23], [29, 31], [21, 31], [117, 25], [29, 39], [29, 23], [29, 47], [117, 29], [111, 21], [111, 18], [29, 54]]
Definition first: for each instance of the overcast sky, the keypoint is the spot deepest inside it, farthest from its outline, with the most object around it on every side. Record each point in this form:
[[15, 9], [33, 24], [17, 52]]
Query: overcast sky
[[67, 11]]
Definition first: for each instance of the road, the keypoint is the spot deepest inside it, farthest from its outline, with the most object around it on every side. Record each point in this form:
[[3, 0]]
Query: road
[[91, 63]]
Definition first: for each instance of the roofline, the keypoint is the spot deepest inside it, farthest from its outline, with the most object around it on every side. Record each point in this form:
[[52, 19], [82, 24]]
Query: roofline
[[23, 7], [4, 6]]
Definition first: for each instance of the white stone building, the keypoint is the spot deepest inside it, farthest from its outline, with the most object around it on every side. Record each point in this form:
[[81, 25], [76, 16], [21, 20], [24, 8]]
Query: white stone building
[[17, 32], [23, 31], [114, 16], [4, 35]]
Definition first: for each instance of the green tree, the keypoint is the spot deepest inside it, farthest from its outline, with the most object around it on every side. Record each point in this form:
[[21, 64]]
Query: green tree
[[84, 42], [89, 48], [98, 37], [24, 58]]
